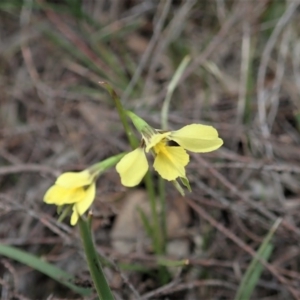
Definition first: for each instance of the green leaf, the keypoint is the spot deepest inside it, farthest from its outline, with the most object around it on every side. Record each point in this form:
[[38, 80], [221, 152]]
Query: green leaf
[[255, 268], [43, 267]]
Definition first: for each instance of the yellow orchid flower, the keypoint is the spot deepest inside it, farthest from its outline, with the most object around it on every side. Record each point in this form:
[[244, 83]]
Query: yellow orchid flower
[[169, 160], [77, 188]]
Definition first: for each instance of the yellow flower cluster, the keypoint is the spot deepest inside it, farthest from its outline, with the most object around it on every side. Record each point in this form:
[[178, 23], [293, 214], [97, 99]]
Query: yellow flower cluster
[[170, 160], [78, 189]]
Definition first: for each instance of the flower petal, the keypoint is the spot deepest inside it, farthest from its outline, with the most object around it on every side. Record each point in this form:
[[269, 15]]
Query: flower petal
[[170, 162], [74, 217], [197, 138], [59, 196], [132, 167], [81, 207], [155, 139], [75, 179]]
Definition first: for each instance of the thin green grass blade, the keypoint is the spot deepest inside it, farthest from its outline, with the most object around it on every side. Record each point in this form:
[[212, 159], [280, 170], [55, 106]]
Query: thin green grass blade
[[172, 263], [84, 91], [43, 267], [254, 276], [72, 51], [134, 267], [171, 87], [164, 125], [145, 222], [255, 268]]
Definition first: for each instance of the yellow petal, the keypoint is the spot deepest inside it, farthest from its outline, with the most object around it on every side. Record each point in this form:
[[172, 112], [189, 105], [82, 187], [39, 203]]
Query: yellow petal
[[81, 207], [74, 217], [132, 167], [170, 162], [75, 179], [197, 138], [60, 196], [155, 139]]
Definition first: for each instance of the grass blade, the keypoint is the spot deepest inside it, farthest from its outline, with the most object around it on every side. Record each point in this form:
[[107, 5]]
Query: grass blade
[[255, 268], [171, 87], [43, 267]]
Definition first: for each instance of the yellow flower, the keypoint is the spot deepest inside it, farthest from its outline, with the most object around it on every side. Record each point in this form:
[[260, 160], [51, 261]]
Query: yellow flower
[[77, 188], [170, 160]]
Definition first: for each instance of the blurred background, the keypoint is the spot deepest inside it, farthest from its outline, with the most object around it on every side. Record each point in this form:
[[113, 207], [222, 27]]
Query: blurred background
[[243, 78]]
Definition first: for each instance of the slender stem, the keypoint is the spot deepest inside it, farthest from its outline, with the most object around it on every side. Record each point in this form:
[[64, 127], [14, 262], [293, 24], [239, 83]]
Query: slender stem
[[95, 268], [156, 236], [163, 213], [122, 113], [106, 164], [156, 231]]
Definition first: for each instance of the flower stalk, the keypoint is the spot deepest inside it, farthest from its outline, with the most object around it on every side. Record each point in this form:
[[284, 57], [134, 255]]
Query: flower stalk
[[122, 114], [142, 125], [100, 283]]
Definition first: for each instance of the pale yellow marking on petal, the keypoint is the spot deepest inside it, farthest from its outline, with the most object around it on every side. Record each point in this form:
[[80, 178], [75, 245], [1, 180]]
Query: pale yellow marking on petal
[[132, 167], [197, 138], [59, 196], [155, 139], [170, 162], [82, 206], [75, 179]]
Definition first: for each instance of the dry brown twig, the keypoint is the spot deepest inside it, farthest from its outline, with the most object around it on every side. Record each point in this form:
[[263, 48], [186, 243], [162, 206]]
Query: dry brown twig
[[174, 287], [259, 166], [23, 168], [261, 92], [145, 57], [233, 189], [243, 246], [169, 34]]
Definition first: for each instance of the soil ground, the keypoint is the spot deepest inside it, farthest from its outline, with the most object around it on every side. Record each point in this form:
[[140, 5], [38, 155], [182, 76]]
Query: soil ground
[[243, 78]]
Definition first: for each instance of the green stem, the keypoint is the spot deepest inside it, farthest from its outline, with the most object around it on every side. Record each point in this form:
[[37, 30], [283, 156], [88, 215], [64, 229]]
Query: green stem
[[106, 164], [95, 268], [163, 213], [122, 113], [156, 234]]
